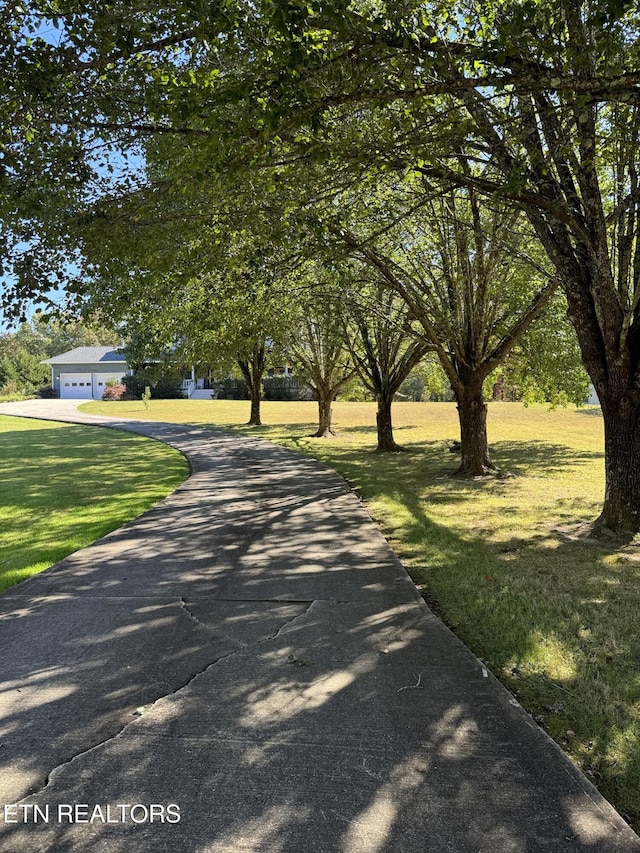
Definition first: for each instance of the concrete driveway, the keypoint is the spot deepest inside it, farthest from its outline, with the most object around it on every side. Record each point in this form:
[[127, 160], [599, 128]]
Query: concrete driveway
[[248, 667]]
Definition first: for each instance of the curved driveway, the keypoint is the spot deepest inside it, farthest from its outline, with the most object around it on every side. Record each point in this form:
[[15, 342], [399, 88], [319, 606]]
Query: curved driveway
[[248, 667]]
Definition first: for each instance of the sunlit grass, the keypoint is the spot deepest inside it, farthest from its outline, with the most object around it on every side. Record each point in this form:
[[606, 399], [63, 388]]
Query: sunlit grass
[[556, 619], [64, 486]]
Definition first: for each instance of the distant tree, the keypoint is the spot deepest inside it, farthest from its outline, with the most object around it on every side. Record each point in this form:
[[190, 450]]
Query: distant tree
[[59, 333], [48, 336], [383, 347], [427, 381], [24, 369], [316, 348], [545, 366]]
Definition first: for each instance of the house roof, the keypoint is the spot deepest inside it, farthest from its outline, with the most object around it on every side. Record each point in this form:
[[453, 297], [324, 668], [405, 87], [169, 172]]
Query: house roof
[[87, 355]]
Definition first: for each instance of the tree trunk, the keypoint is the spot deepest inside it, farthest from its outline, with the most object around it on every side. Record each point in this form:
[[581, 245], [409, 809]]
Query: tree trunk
[[252, 373], [325, 413], [472, 413], [613, 369], [621, 508], [386, 442], [256, 399]]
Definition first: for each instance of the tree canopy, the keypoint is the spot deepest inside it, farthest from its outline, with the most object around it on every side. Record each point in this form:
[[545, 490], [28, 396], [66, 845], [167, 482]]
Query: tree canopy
[[541, 98]]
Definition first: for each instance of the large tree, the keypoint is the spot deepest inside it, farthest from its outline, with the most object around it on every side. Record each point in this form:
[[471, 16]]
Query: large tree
[[562, 132], [228, 316], [467, 280], [221, 324]]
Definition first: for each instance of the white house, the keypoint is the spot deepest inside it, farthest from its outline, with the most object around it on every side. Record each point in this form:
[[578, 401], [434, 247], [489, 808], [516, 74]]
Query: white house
[[83, 372]]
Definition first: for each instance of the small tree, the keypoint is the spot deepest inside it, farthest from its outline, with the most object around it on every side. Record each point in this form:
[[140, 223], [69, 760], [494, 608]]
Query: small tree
[[383, 347], [317, 350]]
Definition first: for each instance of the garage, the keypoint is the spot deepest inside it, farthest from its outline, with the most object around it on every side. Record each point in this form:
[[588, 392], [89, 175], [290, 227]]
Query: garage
[[76, 385], [82, 373]]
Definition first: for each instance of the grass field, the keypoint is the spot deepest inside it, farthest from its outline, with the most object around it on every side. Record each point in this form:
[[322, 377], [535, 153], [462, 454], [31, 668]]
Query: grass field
[[554, 617], [63, 486]]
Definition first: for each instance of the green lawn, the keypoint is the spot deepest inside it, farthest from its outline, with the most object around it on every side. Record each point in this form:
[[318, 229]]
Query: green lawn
[[556, 619], [63, 486]]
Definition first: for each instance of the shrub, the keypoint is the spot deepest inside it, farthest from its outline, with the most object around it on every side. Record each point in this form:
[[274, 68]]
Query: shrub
[[164, 388], [12, 391], [135, 385], [117, 392], [231, 389], [13, 398], [167, 389], [47, 393], [285, 388]]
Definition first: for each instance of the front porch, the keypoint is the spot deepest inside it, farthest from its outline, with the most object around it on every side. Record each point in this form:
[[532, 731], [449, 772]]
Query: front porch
[[194, 389]]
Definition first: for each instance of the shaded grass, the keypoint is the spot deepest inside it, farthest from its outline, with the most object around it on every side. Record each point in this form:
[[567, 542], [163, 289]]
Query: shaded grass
[[63, 486], [555, 619]]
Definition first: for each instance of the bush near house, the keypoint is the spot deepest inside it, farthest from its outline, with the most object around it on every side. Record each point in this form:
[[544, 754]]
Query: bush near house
[[162, 388], [285, 388], [167, 388], [11, 391], [117, 391], [47, 393], [231, 389]]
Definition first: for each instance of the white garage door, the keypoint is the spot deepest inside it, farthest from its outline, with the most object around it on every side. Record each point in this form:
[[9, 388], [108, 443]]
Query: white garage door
[[75, 385], [100, 382]]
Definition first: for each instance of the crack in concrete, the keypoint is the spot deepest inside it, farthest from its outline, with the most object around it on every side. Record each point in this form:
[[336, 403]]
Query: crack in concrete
[[50, 777], [293, 619], [52, 773], [208, 629]]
